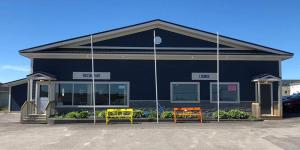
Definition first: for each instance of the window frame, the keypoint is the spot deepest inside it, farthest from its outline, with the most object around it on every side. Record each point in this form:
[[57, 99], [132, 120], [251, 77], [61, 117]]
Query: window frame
[[97, 82], [198, 92], [225, 83]]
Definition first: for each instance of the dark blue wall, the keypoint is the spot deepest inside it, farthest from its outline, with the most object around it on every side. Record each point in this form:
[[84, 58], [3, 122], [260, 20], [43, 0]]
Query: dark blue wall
[[145, 39], [18, 96], [140, 74]]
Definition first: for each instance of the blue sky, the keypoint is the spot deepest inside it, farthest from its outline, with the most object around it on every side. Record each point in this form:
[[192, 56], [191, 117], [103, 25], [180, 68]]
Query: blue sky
[[28, 23]]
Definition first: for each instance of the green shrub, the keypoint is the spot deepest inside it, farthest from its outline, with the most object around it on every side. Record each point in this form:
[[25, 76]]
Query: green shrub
[[167, 114], [83, 114], [151, 115], [75, 114], [72, 114], [231, 114], [138, 113], [237, 114], [100, 114], [223, 114]]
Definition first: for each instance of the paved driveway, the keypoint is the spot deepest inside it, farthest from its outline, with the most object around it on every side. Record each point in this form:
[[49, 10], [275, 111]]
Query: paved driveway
[[273, 135]]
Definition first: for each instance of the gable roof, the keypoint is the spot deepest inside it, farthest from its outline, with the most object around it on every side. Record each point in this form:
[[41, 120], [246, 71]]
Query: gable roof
[[15, 82], [152, 25]]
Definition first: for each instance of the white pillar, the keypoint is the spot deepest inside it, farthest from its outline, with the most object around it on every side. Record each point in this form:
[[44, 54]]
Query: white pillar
[[258, 92], [279, 99], [30, 90], [9, 98]]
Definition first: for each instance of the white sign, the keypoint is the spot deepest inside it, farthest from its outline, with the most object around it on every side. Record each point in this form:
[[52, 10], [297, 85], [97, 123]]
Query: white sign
[[204, 76], [88, 75]]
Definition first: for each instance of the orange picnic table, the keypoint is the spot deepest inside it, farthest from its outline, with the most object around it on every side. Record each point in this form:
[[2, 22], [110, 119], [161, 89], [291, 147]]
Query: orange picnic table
[[187, 112]]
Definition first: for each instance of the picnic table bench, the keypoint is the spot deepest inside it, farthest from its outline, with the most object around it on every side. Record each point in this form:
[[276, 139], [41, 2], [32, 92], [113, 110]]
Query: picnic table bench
[[187, 112], [124, 113]]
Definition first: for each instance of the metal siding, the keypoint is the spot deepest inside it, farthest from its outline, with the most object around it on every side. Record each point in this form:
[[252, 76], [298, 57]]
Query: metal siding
[[145, 39], [140, 74]]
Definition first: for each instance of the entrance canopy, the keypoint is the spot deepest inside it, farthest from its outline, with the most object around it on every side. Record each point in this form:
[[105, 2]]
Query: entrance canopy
[[264, 95], [266, 78], [41, 76]]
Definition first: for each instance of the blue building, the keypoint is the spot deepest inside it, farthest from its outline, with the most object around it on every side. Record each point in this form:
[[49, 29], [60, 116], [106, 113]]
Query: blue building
[[124, 71]]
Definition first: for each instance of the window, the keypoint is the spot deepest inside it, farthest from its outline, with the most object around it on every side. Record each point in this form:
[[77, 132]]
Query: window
[[64, 93], [229, 92], [185, 92], [102, 94], [80, 93], [118, 94]]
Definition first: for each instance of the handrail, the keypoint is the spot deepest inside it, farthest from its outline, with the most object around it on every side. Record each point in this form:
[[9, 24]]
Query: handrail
[[27, 108], [50, 109], [24, 110]]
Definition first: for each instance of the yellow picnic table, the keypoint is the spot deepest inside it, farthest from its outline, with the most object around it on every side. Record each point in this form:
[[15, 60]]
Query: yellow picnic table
[[123, 113]]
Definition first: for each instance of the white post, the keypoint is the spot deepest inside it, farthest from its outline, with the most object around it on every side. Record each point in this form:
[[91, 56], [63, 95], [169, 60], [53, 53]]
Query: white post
[[9, 99], [93, 79], [155, 70], [218, 79]]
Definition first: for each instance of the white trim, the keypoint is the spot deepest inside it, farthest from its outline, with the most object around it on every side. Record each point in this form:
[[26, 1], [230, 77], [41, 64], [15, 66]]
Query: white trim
[[96, 82], [159, 56], [158, 24], [136, 100], [9, 99], [279, 91], [41, 77], [158, 48], [31, 65], [14, 83], [198, 92], [225, 83], [267, 78], [256, 100]]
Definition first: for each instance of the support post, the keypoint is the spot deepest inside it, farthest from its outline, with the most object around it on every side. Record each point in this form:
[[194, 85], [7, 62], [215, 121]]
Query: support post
[[9, 99]]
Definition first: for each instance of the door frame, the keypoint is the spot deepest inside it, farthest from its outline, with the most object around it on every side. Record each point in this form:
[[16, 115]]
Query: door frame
[[37, 92], [272, 100]]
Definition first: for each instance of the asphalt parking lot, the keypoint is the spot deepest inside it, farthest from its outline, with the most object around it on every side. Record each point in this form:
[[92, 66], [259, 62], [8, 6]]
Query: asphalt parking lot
[[273, 135]]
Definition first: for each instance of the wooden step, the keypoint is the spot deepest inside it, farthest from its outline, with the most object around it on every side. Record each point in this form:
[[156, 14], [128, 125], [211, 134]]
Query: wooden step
[[35, 119], [270, 117]]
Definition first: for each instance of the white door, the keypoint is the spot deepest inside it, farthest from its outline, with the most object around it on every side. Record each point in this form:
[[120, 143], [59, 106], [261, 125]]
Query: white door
[[43, 97]]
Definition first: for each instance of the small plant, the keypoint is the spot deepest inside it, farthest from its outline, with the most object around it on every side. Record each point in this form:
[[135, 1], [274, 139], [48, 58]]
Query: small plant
[[75, 114], [83, 114], [223, 114], [237, 114], [138, 113], [151, 115], [167, 114], [100, 114], [231, 114], [72, 114]]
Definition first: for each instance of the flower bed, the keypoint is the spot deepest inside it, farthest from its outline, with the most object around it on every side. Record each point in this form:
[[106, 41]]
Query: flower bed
[[141, 115]]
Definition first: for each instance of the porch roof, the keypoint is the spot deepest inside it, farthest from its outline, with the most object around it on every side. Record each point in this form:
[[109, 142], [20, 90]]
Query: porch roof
[[265, 78], [41, 76]]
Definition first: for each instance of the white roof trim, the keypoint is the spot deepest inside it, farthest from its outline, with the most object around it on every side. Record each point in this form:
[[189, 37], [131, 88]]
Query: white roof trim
[[159, 56], [267, 78], [14, 83], [40, 76]]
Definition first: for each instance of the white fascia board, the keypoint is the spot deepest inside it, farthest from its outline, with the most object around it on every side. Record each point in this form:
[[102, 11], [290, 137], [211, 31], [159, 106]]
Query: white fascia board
[[159, 57]]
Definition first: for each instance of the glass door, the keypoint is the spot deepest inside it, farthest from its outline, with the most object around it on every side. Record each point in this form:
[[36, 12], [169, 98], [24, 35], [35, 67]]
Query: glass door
[[43, 97]]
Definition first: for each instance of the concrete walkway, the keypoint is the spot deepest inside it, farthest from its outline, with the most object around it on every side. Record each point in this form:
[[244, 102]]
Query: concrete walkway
[[273, 135]]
